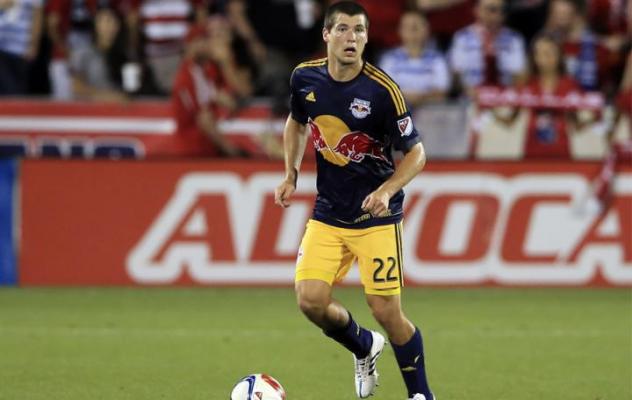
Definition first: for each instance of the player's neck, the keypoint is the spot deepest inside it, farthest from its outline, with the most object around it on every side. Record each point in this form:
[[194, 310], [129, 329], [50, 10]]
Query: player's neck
[[343, 72]]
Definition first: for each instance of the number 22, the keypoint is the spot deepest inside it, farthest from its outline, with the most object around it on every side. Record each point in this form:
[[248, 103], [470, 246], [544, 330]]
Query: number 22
[[380, 266]]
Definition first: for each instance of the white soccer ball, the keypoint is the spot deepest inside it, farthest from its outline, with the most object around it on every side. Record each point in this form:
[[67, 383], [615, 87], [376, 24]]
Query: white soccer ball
[[258, 387]]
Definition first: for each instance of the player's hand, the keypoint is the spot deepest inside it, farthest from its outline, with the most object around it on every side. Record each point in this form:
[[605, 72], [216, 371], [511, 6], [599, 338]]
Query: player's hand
[[376, 203], [283, 192]]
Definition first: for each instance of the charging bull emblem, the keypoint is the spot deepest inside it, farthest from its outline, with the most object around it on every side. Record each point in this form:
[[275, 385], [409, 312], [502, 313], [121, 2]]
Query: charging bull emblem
[[333, 140], [360, 108]]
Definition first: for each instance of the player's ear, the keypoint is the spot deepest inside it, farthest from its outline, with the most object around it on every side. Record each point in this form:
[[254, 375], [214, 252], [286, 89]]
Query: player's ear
[[326, 34]]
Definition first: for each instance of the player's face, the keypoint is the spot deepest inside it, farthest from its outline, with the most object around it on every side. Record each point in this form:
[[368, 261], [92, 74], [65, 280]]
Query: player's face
[[347, 38]]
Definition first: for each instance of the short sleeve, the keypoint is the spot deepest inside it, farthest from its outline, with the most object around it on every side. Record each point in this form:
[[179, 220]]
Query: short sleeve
[[399, 122], [297, 107]]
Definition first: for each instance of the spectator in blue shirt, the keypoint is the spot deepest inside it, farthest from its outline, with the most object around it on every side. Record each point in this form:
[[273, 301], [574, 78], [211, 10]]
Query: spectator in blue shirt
[[417, 66]]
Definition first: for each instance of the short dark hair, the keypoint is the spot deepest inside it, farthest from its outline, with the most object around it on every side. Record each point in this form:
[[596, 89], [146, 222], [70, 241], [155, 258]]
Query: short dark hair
[[343, 7]]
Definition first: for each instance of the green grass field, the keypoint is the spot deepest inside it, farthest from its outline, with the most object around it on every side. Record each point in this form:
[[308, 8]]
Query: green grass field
[[481, 344]]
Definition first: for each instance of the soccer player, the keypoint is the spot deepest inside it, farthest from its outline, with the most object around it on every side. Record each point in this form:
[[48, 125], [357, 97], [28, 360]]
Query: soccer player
[[355, 114]]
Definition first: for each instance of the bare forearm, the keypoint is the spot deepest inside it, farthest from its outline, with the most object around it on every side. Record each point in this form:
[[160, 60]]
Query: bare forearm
[[412, 163], [294, 141]]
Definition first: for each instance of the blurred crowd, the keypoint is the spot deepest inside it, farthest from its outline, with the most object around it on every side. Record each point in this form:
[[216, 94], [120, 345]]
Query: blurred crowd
[[208, 54]]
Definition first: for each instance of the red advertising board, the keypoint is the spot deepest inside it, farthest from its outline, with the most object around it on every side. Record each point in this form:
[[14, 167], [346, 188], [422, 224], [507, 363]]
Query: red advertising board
[[215, 223]]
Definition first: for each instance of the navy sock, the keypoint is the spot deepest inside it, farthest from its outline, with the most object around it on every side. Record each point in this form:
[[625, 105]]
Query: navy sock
[[354, 337], [410, 358]]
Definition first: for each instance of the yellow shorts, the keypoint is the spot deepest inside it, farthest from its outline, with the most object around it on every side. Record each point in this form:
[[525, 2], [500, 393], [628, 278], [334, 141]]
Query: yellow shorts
[[327, 253]]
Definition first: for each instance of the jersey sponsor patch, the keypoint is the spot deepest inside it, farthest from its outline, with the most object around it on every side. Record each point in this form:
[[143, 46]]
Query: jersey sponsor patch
[[405, 126], [360, 108]]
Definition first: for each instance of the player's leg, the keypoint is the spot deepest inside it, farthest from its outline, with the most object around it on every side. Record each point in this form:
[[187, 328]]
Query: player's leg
[[379, 254], [406, 341], [323, 260], [315, 301]]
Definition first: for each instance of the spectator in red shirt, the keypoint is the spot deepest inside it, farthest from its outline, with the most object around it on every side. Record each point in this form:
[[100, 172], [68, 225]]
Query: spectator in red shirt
[[551, 120], [550, 97], [201, 88], [547, 131]]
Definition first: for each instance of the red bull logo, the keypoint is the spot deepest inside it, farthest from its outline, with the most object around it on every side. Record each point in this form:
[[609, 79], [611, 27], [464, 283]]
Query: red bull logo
[[360, 108], [349, 146], [356, 145]]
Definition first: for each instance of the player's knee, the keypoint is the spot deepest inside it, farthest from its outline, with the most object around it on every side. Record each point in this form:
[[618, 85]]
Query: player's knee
[[382, 315], [314, 308], [386, 314], [313, 299]]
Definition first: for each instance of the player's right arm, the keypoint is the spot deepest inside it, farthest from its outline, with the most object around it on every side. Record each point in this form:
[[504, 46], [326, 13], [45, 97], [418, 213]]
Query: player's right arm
[[294, 141]]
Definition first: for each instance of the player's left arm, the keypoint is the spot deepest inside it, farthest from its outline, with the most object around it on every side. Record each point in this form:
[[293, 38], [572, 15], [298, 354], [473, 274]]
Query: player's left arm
[[404, 137], [413, 162]]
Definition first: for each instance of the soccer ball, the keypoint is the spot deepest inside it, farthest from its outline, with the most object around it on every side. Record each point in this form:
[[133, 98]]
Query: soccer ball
[[258, 387]]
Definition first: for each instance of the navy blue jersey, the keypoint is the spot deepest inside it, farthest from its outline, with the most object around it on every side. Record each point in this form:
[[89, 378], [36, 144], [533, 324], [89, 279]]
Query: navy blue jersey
[[354, 126]]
